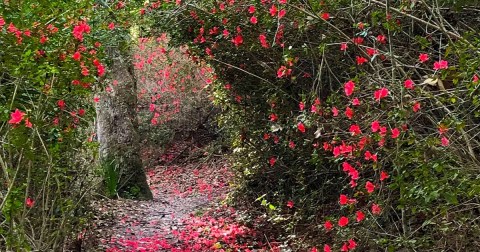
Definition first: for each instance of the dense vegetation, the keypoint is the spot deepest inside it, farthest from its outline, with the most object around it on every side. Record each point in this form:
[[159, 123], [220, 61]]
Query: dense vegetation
[[352, 124]]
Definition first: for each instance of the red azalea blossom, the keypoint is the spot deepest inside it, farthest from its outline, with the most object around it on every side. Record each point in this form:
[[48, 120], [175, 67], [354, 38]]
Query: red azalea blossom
[[355, 130], [408, 84], [442, 64], [301, 106], [383, 175], [61, 104], [273, 11], [76, 56], [282, 13], [238, 40], [395, 133], [349, 87], [28, 124], [376, 210], [111, 26], [382, 39], [327, 248], [343, 199], [263, 40], [423, 57], [381, 93], [328, 225], [352, 244], [375, 126], [325, 16], [370, 187], [416, 107], [349, 113], [356, 102], [445, 141], [335, 111], [29, 202], [291, 145], [290, 204], [343, 221], [360, 216], [301, 127], [343, 46], [251, 9], [273, 117], [253, 20], [16, 117], [361, 60], [272, 161]]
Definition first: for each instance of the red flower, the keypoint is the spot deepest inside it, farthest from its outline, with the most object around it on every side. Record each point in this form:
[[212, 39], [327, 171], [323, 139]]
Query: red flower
[[376, 210], [395, 133], [111, 26], [76, 56], [360, 216], [328, 225], [358, 40], [301, 106], [355, 130], [375, 126], [291, 145], [16, 117], [273, 11], [349, 113], [361, 60], [442, 64], [325, 16], [423, 57], [272, 161], [290, 204], [352, 244], [416, 107], [343, 46], [343, 199], [381, 93], [253, 20], [263, 40], [445, 141], [301, 127], [335, 111], [370, 187], [251, 9], [61, 104], [29, 202], [327, 248], [408, 84], [383, 175], [273, 117], [349, 87], [343, 221], [282, 13], [28, 124], [382, 39], [238, 40]]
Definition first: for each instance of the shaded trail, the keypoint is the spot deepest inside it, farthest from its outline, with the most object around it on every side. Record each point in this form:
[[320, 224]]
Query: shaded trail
[[186, 214]]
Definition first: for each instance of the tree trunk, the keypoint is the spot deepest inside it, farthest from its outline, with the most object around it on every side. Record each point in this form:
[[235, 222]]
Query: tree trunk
[[117, 127]]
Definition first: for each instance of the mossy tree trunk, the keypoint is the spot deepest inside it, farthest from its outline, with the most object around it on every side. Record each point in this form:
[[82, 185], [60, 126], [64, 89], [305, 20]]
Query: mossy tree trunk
[[117, 129]]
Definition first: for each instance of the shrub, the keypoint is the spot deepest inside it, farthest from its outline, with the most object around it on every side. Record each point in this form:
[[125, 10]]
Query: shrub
[[346, 110]]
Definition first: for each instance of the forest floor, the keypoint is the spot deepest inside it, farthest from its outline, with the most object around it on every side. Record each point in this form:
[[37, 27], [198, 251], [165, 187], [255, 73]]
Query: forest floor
[[188, 212]]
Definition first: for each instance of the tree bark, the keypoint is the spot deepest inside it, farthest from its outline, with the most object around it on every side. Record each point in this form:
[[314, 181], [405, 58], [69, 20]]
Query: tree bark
[[117, 131]]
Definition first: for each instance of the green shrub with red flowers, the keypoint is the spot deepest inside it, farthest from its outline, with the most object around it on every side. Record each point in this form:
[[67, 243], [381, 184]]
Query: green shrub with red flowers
[[354, 124], [52, 62]]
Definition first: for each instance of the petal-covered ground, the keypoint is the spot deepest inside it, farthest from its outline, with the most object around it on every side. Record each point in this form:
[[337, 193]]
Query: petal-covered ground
[[187, 213]]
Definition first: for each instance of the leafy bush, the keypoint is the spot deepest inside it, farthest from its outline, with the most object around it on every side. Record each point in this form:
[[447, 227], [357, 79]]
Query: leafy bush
[[354, 121]]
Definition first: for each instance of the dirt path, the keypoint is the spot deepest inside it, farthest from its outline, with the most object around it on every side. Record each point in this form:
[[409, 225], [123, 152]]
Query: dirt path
[[186, 213]]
